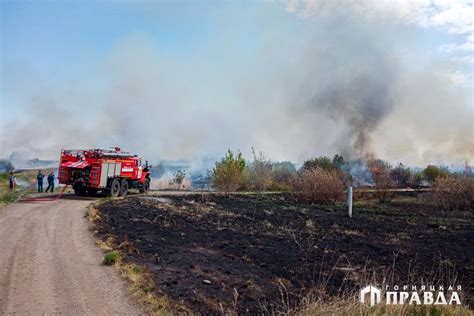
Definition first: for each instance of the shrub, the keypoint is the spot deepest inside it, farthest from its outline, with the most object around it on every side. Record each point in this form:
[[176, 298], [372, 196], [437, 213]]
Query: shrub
[[229, 173], [417, 180], [111, 257], [401, 176], [318, 185], [338, 161], [432, 173], [319, 162], [283, 175], [383, 188], [468, 169], [178, 178], [260, 172], [454, 193]]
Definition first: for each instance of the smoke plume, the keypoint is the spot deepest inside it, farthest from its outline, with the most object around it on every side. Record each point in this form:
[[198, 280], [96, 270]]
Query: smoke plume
[[354, 85]]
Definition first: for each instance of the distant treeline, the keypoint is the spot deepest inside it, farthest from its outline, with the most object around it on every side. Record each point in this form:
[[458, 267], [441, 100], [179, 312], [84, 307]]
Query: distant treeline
[[324, 179]]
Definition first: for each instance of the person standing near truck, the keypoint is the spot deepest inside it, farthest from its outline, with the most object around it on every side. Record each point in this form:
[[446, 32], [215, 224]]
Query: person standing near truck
[[12, 181], [50, 182], [39, 179]]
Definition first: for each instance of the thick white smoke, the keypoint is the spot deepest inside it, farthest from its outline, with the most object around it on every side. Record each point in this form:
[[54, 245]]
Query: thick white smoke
[[347, 87]]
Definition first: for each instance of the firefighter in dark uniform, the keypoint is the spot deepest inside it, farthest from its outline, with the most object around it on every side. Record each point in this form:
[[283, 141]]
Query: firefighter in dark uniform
[[50, 182], [12, 181], [39, 179]]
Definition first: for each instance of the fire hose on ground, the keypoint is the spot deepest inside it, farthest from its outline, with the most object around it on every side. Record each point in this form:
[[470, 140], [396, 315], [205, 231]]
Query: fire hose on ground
[[44, 199]]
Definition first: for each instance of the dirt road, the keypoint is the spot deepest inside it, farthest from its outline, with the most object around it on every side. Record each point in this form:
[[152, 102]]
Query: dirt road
[[49, 263]]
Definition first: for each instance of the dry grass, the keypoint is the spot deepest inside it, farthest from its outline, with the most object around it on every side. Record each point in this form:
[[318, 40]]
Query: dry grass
[[93, 213], [319, 302], [142, 288], [351, 306]]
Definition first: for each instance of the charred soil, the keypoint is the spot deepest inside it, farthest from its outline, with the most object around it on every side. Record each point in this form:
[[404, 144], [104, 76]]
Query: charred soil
[[264, 253]]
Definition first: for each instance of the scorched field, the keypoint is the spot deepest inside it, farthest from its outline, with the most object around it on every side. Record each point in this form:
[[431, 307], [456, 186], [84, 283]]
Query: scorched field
[[267, 253]]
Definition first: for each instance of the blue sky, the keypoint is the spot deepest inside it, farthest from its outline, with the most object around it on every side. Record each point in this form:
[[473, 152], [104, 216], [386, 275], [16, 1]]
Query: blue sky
[[235, 65], [55, 34], [70, 40]]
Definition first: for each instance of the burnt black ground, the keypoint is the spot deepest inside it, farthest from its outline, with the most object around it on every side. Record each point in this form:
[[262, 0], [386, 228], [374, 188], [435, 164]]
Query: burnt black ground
[[265, 252]]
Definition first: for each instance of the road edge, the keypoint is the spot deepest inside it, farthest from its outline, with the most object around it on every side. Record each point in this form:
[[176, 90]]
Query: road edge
[[139, 280]]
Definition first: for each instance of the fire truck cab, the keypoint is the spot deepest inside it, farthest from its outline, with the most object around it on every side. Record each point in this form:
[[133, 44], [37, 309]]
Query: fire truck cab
[[112, 172]]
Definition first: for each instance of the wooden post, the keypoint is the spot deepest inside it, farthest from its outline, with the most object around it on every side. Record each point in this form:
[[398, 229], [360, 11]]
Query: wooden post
[[349, 201]]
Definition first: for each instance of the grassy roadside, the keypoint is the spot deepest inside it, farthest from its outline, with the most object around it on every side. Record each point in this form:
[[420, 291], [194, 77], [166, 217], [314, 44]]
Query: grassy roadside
[[26, 184], [8, 196], [139, 279]]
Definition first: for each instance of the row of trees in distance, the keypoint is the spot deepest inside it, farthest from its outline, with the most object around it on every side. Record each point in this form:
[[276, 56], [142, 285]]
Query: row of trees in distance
[[324, 179]]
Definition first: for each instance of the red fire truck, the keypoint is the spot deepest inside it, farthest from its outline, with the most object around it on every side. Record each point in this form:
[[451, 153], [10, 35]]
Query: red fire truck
[[112, 172]]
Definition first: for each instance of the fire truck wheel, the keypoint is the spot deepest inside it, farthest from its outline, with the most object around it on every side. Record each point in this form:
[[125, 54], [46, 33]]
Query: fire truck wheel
[[79, 191], [145, 187], [92, 192], [115, 188], [124, 188]]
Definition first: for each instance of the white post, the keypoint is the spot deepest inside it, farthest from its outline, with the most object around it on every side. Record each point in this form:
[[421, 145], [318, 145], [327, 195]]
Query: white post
[[349, 201]]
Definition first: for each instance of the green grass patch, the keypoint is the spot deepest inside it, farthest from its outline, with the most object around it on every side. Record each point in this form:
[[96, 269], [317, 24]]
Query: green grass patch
[[111, 257], [9, 197], [136, 269]]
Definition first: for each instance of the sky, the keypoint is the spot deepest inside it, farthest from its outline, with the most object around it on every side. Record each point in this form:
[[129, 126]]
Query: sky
[[190, 79]]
